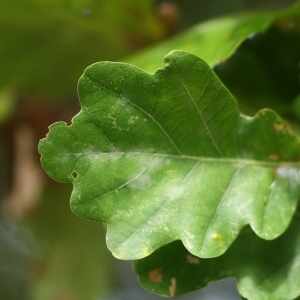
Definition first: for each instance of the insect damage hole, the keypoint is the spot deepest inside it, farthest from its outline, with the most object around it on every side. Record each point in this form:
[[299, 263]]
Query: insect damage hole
[[74, 175]]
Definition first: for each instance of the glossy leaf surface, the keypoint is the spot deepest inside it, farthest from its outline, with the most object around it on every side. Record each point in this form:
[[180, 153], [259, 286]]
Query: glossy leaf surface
[[168, 156], [264, 269]]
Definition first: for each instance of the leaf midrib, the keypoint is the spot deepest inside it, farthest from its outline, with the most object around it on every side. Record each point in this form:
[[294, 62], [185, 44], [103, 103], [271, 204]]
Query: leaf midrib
[[188, 157]]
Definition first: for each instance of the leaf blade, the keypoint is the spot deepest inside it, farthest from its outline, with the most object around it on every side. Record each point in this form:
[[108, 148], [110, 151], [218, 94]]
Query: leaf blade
[[147, 151]]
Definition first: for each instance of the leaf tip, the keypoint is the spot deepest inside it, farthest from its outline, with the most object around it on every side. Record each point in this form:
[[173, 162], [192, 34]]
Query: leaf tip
[[175, 55]]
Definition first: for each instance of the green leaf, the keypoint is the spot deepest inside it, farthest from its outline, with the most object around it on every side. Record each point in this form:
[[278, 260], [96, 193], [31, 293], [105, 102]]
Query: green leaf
[[214, 40], [264, 269], [168, 156], [256, 64]]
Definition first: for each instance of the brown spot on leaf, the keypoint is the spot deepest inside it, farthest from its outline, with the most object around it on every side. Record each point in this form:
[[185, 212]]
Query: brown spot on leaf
[[278, 127], [193, 259], [263, 112], [274, 156], [172, 287], [156, 275]]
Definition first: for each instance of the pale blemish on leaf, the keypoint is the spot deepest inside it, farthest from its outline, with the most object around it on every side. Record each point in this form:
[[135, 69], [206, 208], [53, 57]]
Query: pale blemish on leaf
[[172, 287], [146, 252], [140, 183], [156, 275], [288, 172], [288, 128], [132, 119], [278, 127], [194, 260], [217, 238]]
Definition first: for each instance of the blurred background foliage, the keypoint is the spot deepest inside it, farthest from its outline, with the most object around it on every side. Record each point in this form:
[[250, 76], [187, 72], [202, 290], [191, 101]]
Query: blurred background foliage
[[51, 42], [46, 252]]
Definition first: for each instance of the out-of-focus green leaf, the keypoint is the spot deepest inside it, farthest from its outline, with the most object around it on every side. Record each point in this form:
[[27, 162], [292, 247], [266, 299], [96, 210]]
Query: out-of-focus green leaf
[[264, 70], [215, 40], [46, 44], [168, 156], [264, 269]]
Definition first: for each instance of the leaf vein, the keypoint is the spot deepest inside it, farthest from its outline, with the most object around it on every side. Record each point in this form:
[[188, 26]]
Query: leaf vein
[[148, 115], [199, 112]]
